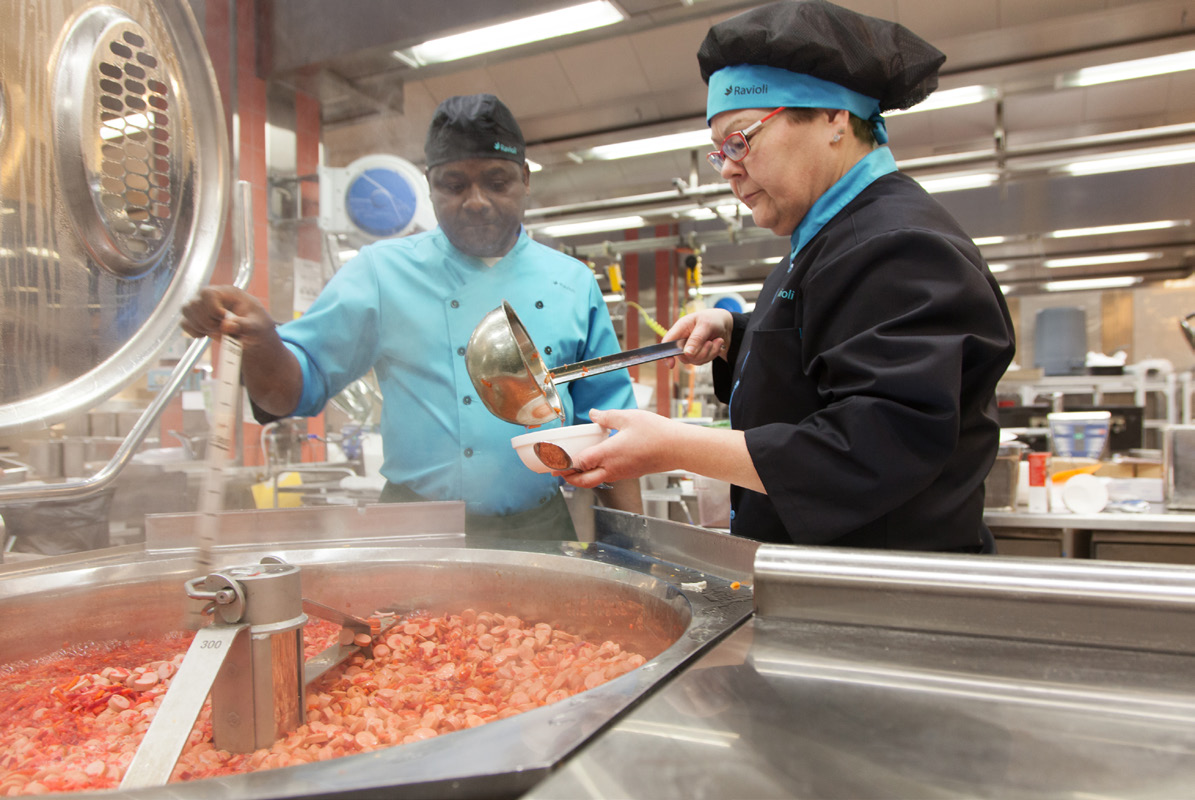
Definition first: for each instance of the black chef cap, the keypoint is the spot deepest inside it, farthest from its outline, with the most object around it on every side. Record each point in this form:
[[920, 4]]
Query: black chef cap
[[870, 56], [473, 126]]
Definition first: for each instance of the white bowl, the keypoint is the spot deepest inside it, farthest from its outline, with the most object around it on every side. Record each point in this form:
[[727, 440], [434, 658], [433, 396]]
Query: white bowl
[[1085, 494], [572, 439]]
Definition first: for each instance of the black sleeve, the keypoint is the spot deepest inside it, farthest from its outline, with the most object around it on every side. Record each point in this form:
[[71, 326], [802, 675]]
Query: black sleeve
[[902, 335], [724, 369], [262, 417]]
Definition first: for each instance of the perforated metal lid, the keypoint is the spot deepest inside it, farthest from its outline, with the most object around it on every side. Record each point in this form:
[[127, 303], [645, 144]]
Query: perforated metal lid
[[116, 202]]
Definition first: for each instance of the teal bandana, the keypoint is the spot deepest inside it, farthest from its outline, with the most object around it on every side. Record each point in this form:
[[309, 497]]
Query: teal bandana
[[756, 86]]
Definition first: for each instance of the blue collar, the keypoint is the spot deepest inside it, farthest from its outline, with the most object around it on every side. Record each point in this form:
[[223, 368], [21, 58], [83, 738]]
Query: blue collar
[[876, 164]]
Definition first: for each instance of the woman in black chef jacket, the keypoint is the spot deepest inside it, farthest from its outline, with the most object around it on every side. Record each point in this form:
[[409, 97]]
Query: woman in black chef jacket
[[862, 387]]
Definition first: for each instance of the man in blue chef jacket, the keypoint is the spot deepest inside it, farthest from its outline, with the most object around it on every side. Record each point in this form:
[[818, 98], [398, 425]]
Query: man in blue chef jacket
[[406, 308]]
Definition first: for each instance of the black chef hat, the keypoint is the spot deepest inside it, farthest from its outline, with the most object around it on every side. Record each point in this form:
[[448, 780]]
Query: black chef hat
[[473, 126], [870, 56]]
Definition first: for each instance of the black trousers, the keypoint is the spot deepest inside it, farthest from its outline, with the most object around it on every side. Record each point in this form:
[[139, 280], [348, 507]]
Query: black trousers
[[549, 522]]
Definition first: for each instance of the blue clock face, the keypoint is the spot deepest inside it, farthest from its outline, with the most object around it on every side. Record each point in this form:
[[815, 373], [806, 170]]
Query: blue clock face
[[380, 202]]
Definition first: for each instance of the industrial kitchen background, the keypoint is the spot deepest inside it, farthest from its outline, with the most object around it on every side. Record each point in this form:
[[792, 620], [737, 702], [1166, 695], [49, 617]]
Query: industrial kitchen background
[[1062, 137]]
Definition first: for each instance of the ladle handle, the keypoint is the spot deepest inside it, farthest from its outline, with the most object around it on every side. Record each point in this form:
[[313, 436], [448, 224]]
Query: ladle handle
[[627, 358]]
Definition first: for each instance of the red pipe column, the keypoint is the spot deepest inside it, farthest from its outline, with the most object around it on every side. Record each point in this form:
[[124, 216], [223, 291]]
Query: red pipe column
[[630, 285], [665, 305]]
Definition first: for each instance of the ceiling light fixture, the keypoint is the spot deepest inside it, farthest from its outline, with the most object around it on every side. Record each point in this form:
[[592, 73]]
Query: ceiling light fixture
[[1131, 227], [705, 212], [1118, 282], [949, 98], [722, 288], [1136, 159], [986, 240], [593, 226], [538, 27], [689, 140], [1130, 70], [954, 183], [994, 268], [1090, 261]]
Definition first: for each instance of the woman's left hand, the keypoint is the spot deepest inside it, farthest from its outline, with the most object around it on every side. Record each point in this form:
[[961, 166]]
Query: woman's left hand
[[641, 446]]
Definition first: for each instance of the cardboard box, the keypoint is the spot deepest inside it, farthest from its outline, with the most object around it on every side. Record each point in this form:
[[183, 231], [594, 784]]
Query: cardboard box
[[1130, 468], [1059, 464], [1120, 468]]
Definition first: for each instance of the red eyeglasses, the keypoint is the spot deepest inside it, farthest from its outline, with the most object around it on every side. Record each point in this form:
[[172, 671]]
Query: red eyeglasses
[[735, 147]]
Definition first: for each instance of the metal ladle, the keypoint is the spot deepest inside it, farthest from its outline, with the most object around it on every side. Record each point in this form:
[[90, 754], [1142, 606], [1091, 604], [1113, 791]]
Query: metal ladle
[[513, 381], [555, 457]]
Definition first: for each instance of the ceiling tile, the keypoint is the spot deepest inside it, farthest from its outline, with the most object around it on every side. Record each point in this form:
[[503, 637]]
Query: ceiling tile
[[669, 55], [580, 121], [472, 81], [1143, 97], [1029, 112], [1181, 96], [964, 124], [933, 19], [884, 9], [685, 102], [534, 85], [1024, 12], [635, 7], [603, 71]]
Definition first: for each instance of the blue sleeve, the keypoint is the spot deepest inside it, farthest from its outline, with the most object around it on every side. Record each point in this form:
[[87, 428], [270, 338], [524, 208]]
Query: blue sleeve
[[336, 341], [610, 389]]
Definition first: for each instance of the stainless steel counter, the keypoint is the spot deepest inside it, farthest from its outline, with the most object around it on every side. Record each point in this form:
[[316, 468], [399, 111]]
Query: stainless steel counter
[[862, 676], [1162, 522], [838, 711], [1166, 537]]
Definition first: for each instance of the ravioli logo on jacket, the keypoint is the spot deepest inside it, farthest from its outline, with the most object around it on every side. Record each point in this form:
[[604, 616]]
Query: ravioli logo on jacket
[[746, 90], [505, 148]]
